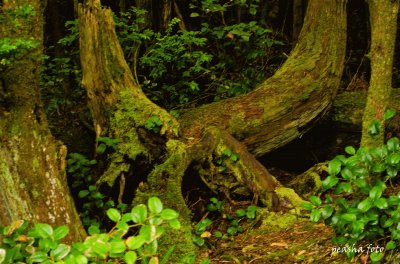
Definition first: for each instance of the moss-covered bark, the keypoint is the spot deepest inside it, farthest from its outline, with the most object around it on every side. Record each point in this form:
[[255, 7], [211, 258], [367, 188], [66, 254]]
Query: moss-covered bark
[[32, 163], [348, 109], [383, 17], [281, 109], [286, 105], [121, 110]]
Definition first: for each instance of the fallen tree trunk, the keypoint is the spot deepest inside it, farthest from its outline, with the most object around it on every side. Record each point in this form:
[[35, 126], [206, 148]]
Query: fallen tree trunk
[[348, 109]]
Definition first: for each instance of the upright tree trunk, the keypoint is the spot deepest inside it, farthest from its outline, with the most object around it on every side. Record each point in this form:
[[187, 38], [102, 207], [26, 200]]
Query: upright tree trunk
[[32, 163], [298, 16], [383, 19]]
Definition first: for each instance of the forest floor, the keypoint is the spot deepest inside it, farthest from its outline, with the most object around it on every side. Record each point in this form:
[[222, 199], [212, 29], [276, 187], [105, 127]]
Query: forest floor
[[302, 242]]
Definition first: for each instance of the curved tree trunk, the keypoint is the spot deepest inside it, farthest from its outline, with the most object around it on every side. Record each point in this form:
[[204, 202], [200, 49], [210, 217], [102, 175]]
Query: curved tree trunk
[[283, 108], [32, 163], [383, 17], [286, 105]]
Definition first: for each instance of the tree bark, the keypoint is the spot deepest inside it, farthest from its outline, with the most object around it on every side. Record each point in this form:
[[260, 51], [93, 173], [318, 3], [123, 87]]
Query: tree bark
[[281, 109], [383, 19], [286, 105], [32, 163]]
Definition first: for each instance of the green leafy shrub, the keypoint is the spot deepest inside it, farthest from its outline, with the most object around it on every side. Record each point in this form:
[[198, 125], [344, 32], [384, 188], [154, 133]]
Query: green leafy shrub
[[210, 60], [202, 229], [357, 203], [93, 202], [12, 49], [42, 244], [60, 79]]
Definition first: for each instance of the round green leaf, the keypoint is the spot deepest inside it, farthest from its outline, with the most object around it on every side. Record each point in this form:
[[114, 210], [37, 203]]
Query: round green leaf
[[126, 217], [81, 259], [122, 226], [327, 211], [365, 205], [348, 217], [218, 234], [101, 148], [389, 222], [375, 256], [329, 182], [315, 215], [43, 230], [350, 150], [334, 167], [101, 248], [198, 240], [93, 229], [60, 252], [389, 245], [389, 113], [381, 203], [155, 220], [117, 247], [307, 206], [155, 205], [38, 257], [113, 214], [346, 174], [60, 232], [130, 257], [240, 212], [139, 213], [232, 230], [169, 214], [376, 192], [174, 224], [393, 144], [83, 193], [250, 214], [315, 200], [135, 242]]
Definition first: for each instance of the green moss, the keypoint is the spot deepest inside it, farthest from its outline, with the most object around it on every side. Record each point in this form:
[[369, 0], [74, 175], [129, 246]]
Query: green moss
[[275, 221], [13, 203], [35, 164], [289, 195]]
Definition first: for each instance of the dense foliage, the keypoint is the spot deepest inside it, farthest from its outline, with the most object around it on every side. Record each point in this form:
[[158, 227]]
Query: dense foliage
[[133, 237], [357, 202], [181, 67]]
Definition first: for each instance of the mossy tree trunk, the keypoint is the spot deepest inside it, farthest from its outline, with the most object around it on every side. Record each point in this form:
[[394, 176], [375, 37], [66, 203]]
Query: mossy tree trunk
[[281, 109], [383, 19], [32, 163]]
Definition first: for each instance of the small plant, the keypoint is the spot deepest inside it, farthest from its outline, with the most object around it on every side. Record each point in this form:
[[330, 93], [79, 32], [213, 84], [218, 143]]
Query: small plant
[[154, 124], [227, 154], [203, 228], [93, 202], [106, 142], [201, 232], [358, 205], [42, 243]]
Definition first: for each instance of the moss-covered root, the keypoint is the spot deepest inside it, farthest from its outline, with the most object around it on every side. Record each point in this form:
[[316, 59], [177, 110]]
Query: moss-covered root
[[309, 183], [246, 169], [165, 182], [289, 200]]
